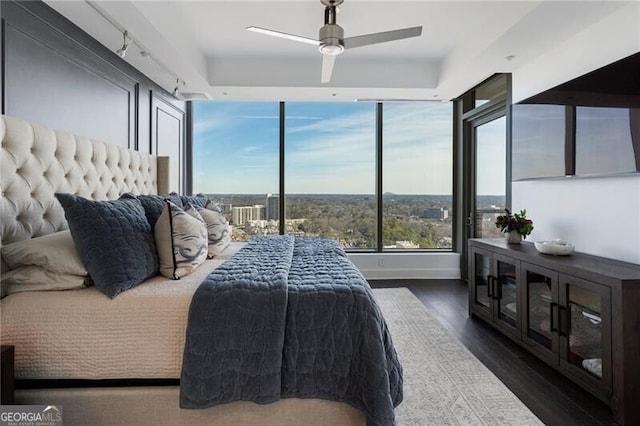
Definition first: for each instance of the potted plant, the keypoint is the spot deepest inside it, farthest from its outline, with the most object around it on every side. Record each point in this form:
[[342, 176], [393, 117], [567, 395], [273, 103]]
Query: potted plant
[[516, 226]]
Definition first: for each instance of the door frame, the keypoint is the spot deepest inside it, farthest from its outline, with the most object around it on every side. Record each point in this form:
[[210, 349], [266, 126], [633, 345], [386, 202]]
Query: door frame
[[483, 114]]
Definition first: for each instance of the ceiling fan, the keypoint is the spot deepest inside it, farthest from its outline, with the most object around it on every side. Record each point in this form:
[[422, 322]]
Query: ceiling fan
[[331, 41]]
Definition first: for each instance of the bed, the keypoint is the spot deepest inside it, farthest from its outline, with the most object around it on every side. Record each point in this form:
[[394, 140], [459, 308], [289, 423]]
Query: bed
[[119, 360]]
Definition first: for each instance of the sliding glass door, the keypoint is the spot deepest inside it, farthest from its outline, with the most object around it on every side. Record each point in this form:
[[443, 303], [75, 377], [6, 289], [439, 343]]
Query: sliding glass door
[[484, 149], [490, 188]]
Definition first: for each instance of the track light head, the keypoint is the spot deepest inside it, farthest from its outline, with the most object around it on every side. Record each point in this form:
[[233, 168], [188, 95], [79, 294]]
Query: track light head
[[176, 91], [125, 44]]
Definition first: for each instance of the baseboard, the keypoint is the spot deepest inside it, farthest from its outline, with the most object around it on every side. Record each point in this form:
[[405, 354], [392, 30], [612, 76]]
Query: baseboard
[[413, 265], [410, 274]]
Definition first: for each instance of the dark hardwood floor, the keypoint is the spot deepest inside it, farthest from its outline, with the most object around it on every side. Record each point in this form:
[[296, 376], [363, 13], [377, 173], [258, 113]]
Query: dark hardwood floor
[[548, 394]]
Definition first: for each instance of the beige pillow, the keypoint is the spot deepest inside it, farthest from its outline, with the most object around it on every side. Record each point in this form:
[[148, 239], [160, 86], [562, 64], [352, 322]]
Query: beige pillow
[[36, 278], [218, 230], [55, 252], [181, 240]]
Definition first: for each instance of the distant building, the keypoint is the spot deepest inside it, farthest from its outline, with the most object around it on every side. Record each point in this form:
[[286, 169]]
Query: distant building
[[438, 213], [403, 245], [241, 215], [407, 245], [272, 207], [261, 227]]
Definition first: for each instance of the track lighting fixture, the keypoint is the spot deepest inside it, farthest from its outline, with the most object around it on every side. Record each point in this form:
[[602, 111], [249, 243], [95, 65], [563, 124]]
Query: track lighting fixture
[[176, 91], [127, 41], [125, 44]]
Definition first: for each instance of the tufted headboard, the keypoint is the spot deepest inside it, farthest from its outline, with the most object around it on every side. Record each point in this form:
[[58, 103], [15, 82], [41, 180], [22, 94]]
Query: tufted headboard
[[36, 162]]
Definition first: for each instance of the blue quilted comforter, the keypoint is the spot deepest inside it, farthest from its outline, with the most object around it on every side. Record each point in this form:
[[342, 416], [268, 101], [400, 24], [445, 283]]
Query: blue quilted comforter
[[289, 318]]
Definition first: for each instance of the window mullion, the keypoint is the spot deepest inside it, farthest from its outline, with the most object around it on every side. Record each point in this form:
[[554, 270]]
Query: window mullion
[[379, 192], [281, 195]]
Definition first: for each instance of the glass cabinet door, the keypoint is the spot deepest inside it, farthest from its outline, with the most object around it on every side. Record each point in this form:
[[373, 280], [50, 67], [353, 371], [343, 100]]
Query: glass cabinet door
[[506, 299], [540, 330], [585, 330], [482, 278]]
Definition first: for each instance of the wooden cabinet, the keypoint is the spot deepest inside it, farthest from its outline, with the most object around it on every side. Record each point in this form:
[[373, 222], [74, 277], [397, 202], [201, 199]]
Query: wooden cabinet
[[495, 290], [579, 313], [540, 311], [7, 380], [567, 322], [584, 330]]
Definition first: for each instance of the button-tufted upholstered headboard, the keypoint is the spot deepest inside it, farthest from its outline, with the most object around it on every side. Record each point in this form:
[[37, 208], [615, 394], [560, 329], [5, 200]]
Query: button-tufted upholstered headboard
[[36, 162]]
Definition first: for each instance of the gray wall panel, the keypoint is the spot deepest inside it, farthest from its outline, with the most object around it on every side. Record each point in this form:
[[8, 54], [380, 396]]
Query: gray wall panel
[[57, 75], [50, 89], [167, 130]]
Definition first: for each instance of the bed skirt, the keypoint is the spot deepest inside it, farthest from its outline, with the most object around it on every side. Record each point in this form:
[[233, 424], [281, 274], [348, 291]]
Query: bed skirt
[[158, 405]]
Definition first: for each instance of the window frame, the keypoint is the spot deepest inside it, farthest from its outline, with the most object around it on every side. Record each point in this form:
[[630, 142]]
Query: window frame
[[379, 147]]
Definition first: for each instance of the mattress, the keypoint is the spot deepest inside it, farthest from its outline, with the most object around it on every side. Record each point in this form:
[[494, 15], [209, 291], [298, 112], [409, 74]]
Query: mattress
[[83, 334]]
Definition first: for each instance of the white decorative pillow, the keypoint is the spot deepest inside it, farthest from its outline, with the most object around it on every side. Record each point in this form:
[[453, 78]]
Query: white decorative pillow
[[36, 278], [218, 230], [181, 240], [55, 252], [211, 205]]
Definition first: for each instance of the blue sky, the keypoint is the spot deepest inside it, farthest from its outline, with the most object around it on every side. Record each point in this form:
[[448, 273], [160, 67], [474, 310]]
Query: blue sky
[[330, 147]]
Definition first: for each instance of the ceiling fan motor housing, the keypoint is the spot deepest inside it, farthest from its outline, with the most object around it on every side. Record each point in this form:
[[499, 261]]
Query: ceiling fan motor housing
[[330, 37]]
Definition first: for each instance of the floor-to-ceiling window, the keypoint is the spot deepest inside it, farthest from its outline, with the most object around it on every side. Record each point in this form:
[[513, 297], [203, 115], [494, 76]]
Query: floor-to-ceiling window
[[330, 172], [417, 160], [374, 176], [236, 161], [490, 177]]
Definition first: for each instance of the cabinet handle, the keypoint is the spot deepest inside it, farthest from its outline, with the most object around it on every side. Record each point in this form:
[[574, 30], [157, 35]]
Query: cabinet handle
[[489, 286], [552, 308], [563, 321]]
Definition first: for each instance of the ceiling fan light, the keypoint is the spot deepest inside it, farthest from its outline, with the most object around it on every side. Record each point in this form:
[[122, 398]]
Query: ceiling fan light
[[331, 49]]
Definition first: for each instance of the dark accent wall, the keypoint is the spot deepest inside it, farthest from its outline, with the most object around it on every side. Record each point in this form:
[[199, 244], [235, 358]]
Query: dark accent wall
[[167, 126], [56, 75]]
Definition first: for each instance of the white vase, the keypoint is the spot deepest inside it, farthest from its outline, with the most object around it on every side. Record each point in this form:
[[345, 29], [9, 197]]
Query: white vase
[[512, 237]]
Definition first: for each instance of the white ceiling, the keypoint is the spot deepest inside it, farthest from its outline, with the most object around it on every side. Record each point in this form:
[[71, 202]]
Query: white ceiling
[[205, 44]]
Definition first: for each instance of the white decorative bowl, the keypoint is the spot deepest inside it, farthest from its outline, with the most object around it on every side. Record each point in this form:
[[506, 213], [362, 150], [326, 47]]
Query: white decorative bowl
[[555, 247]]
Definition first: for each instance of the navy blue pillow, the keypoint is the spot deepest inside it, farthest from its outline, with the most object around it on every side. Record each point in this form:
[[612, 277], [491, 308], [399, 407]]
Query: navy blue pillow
[[114, 240], [154, 204]]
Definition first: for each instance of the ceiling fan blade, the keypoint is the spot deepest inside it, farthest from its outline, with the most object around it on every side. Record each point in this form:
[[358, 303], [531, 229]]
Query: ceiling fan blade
[[283, 35], [375, 38], [327, 67]]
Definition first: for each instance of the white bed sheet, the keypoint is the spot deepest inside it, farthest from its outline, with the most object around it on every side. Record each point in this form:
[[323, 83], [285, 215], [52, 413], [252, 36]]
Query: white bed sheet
[[83, 334]]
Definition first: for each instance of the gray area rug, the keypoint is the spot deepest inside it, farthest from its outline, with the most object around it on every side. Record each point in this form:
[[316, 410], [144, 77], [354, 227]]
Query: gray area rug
[[444, 384]]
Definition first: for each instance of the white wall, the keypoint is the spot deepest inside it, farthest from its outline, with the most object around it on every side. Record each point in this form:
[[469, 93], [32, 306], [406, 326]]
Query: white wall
[[599, 216]]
